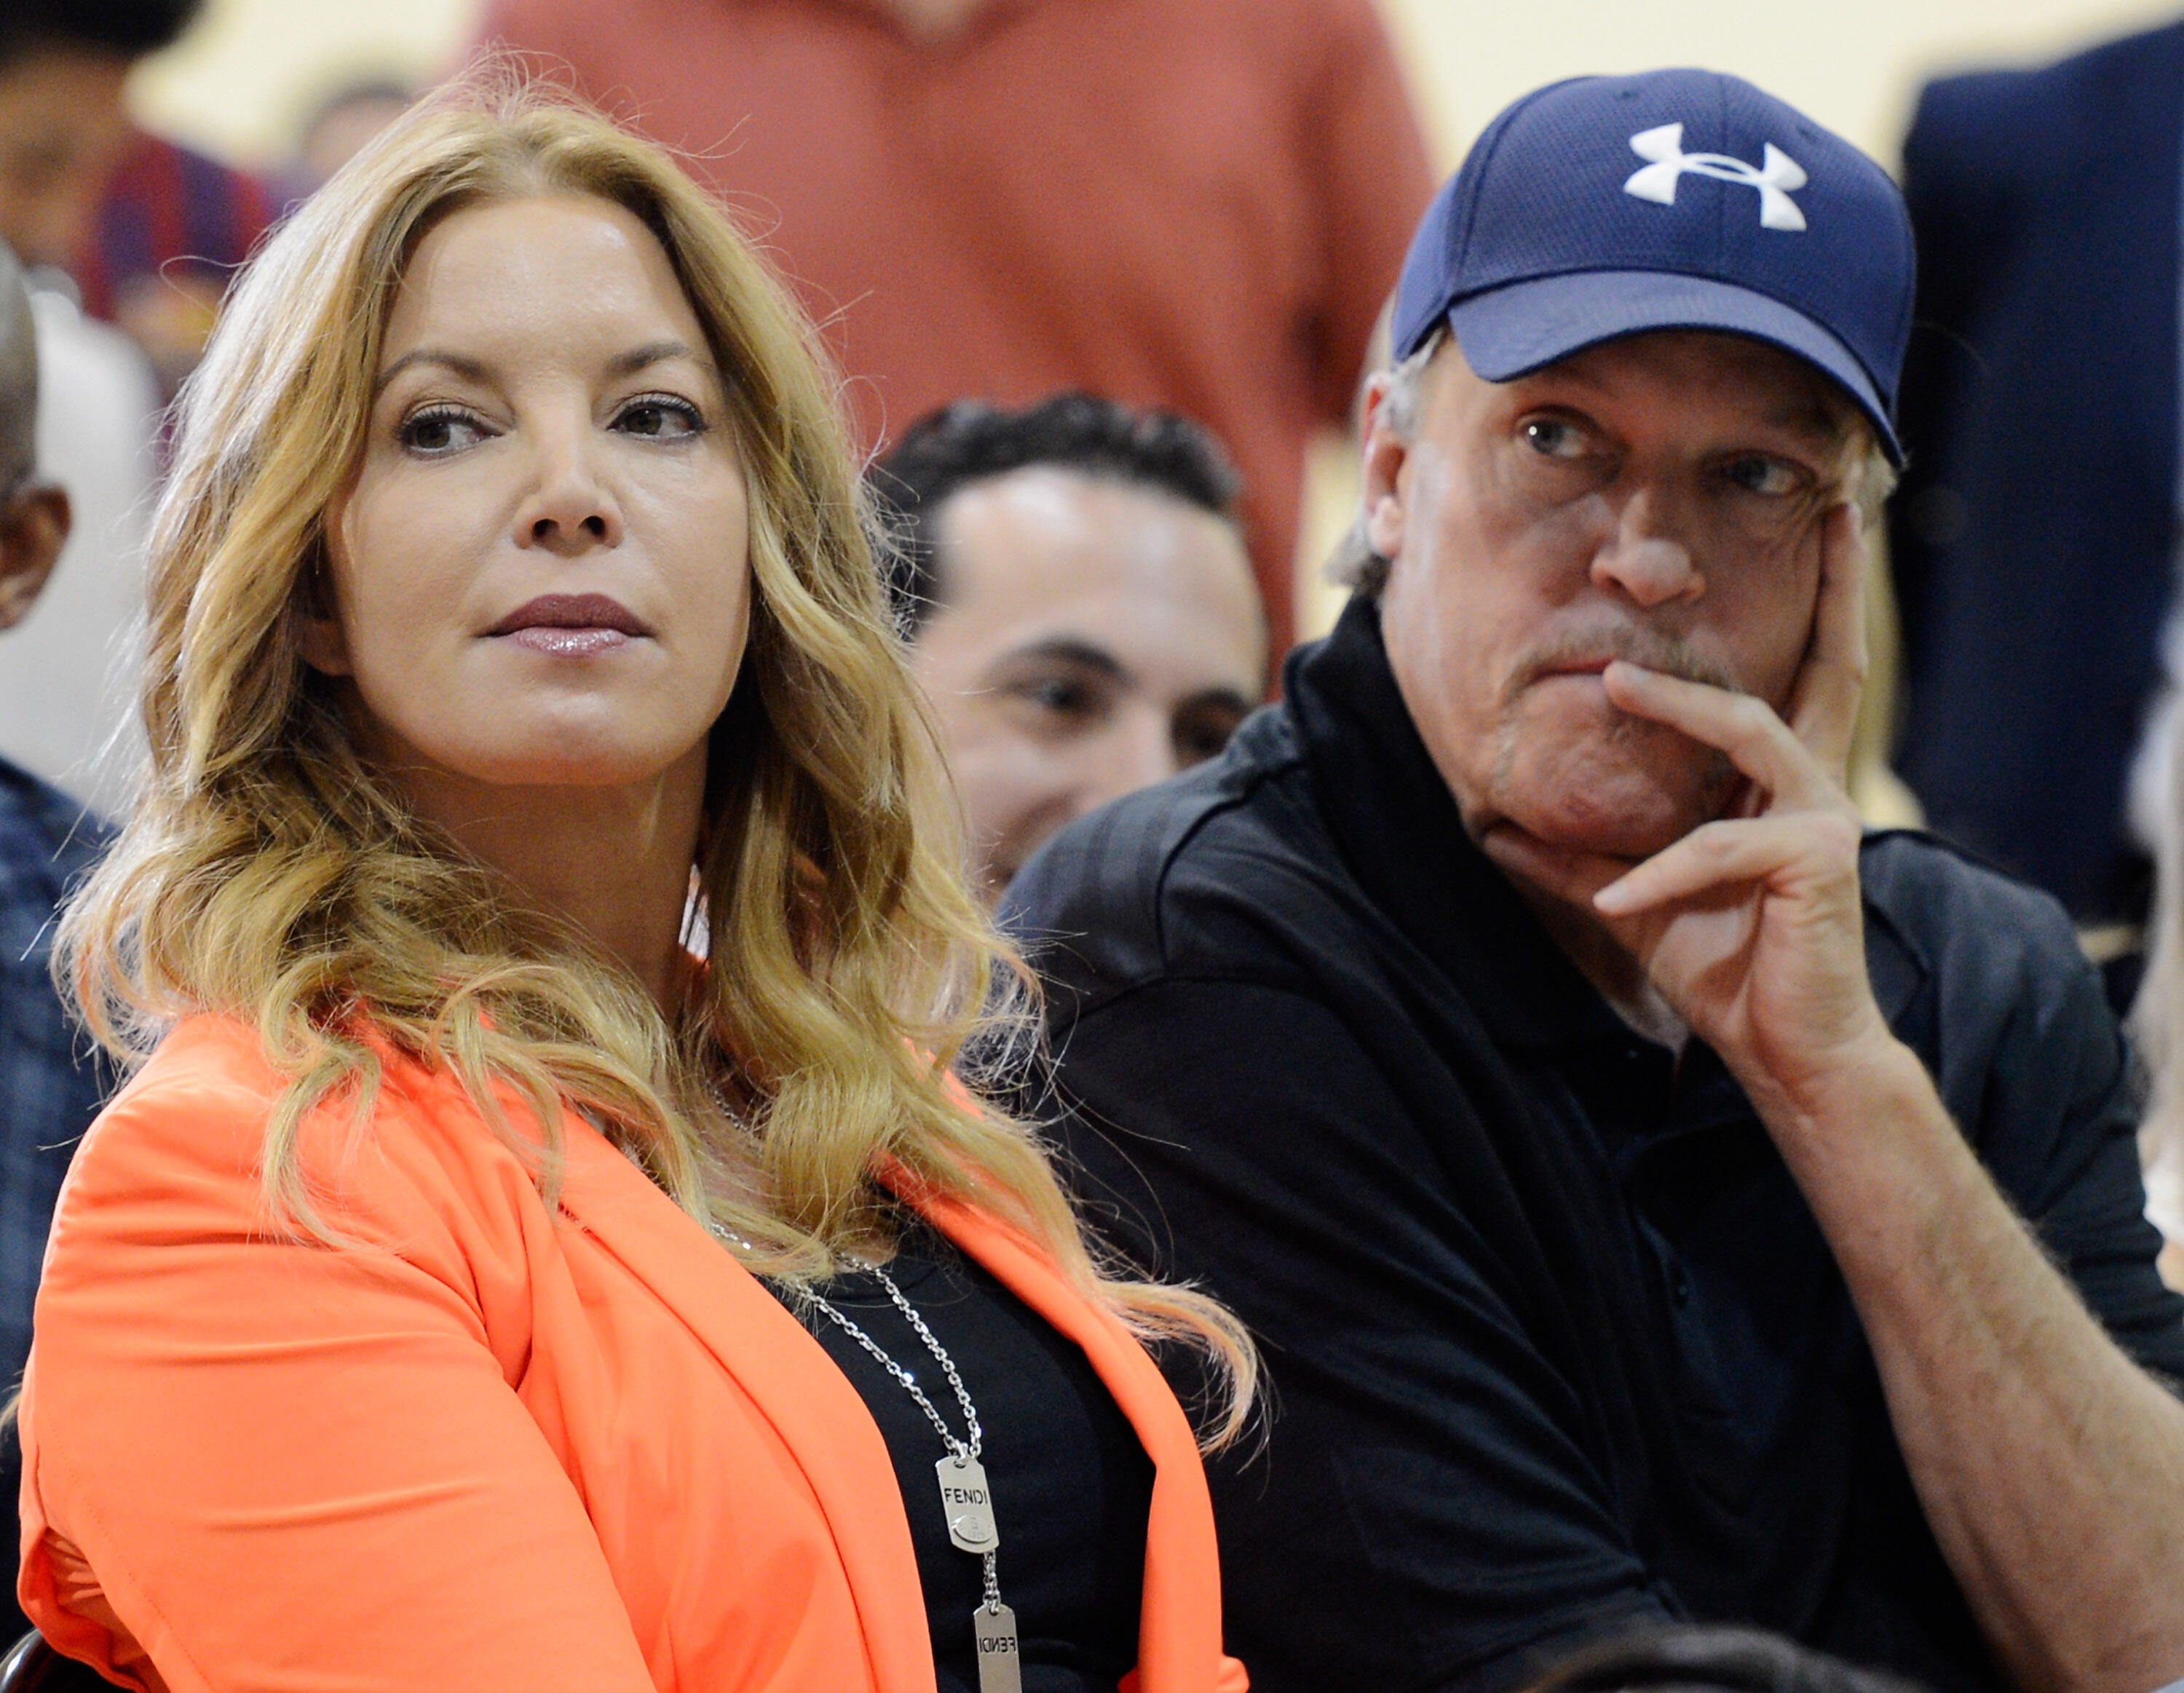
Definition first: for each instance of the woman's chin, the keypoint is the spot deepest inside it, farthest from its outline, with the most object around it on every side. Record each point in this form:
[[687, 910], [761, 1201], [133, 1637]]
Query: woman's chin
[[562, 764]]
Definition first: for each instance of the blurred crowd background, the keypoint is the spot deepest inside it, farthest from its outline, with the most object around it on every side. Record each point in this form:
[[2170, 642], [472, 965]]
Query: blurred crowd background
[[248, 82], [1103, 277], [260, 99]]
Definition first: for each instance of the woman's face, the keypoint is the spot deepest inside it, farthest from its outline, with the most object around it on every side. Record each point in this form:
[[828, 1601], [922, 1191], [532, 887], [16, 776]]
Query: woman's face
[[540, 573]]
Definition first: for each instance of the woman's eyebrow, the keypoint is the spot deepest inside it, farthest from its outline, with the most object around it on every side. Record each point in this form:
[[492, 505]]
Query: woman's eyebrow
[[471, 369], [477, 371], [652, 353]]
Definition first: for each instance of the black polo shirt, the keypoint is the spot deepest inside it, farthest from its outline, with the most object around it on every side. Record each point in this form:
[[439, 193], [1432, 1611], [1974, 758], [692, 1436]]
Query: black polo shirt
[[1554, 1340]]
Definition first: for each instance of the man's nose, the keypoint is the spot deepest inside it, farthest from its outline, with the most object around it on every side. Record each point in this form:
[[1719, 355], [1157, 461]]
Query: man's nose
[[571, 509], [1647, 556]]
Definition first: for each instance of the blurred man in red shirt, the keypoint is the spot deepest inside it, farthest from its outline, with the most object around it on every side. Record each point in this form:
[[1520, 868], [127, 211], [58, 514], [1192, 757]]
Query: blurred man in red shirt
[[1197, 207]]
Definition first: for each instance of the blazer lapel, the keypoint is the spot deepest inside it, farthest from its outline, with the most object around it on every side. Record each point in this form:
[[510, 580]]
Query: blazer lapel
[[786, 1374], [820, 1418], [1180, 1627]]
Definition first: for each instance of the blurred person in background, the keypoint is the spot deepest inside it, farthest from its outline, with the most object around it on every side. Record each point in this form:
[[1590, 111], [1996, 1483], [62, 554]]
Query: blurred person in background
[[1197, 207], [69, 670], [148, 231], [50, 1088], [1080, 604], [1658, 1198], [2034, 540], [337, 126], [2156, 1020]]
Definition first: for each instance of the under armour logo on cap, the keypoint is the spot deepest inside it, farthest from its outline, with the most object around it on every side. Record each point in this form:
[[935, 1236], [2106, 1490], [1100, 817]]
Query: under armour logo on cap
[[1777, 177], [1546, 242]]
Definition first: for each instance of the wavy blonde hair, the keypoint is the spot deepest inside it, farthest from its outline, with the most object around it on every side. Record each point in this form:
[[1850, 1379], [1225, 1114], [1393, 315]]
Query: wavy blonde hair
[[271, 874]]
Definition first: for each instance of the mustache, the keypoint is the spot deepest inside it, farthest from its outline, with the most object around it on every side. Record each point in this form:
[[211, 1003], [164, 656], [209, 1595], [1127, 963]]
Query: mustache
[[1604, 639]]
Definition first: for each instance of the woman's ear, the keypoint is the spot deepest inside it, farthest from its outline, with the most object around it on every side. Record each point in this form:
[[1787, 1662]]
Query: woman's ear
[[33, 527], [319, 634]]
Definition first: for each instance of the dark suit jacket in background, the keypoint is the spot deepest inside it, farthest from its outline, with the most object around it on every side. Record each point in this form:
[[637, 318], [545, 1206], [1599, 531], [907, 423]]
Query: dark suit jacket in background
[[2034, 537]]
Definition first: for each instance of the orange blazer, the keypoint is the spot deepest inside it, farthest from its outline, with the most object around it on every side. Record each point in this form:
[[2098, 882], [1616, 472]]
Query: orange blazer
[[489, 1447]]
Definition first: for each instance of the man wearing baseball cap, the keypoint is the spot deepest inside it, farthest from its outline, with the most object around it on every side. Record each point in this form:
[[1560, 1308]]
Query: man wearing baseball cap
[[1655, 1198]]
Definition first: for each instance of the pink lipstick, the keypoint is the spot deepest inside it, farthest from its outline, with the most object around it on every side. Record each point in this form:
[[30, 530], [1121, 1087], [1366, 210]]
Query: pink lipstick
[[570, 626]]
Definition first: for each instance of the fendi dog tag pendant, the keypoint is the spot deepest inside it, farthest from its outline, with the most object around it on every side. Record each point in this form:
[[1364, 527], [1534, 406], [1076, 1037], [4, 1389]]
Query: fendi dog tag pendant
[[999, 1668], [969, 1509]]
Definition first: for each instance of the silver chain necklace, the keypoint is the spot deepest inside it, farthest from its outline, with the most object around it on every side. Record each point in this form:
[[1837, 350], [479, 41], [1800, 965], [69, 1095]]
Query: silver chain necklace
[[966, 1501]]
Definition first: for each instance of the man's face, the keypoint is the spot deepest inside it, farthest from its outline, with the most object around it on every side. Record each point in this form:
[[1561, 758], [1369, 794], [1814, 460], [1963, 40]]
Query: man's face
[[63, 133], [1093, 637], [1657, 499]]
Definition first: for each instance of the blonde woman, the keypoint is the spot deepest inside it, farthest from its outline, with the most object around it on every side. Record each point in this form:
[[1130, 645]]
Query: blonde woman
[[473, 1289]]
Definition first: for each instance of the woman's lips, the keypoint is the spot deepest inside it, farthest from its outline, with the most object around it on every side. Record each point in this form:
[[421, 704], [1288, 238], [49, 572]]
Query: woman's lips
[[570, 626], [568, 643]]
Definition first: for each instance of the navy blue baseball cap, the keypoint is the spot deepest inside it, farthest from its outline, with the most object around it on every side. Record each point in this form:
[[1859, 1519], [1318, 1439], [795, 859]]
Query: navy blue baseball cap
[[1677, 199]]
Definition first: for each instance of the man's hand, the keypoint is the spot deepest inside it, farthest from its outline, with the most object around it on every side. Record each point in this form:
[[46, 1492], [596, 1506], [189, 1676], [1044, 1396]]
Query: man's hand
[[2051, 1468], [1751, 926]]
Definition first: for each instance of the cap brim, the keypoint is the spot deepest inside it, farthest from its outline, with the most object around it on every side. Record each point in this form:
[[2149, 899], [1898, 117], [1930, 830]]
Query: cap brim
[[1513, 331]]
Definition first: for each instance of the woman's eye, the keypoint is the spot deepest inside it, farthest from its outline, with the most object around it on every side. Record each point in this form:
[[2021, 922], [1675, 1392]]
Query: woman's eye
[[1551, 437], [661, 417], [1756, 473], [439, 429]]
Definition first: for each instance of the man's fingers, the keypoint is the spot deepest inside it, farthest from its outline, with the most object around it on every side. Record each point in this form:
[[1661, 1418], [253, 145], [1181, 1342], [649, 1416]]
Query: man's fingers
[[1719, 856], [1802, 762], [1571, 876], [1759, 743], [1824, 703]]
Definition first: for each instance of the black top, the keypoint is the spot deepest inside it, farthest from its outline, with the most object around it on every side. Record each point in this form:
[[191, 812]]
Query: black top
[[1555, 1340], [1071, 1485]]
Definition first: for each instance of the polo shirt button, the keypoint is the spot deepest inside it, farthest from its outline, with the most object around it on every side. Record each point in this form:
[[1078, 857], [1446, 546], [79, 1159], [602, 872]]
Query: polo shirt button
[[1679, 1287]]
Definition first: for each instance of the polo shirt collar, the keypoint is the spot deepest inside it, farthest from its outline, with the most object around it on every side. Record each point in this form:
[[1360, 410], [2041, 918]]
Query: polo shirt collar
[[1389, 807]]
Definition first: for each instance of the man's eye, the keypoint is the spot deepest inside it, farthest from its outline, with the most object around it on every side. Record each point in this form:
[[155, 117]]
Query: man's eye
[[1057, 701], [1756, 473], [1551, 437], [661, 417], [439, 429], [1058, 694], [1202, 727]]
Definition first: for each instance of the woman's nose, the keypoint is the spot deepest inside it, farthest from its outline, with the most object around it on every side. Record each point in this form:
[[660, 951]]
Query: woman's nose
[[571, 509]]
